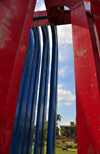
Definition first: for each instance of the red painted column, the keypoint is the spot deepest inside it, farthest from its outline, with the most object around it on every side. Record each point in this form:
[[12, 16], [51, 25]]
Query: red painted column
[[15, 23], [95, 50], [95, 6], [87, 90]]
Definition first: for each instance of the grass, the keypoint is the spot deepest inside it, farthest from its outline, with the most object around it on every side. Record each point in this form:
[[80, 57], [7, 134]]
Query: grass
[[59, 151]]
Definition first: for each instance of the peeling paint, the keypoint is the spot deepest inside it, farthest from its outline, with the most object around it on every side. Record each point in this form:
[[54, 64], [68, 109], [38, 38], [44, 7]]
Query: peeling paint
[[23, 48], [94, 96], [90, 150], [96, 16], [8, 14], [29, 12], [81, 53], [6, 22], [15, 9], [91, 85], [4, 35], [87, 121]]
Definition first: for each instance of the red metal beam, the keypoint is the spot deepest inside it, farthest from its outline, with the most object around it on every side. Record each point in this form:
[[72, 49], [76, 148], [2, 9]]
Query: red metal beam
[[95, 6], [95, 50], [15, 23], [86, 81], [63, 19]]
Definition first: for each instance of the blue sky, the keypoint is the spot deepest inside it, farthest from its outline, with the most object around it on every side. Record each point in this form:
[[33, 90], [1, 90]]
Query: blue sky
[[66, 83]]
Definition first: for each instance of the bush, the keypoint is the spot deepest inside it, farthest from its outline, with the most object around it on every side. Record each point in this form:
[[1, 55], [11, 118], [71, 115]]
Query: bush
[[75, 141], [63, 141], [69, 146], [75, 146]]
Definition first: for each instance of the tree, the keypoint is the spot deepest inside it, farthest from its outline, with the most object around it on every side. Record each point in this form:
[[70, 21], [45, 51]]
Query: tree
[[59, 117], [63, 132], [75, 132], [57, 128]]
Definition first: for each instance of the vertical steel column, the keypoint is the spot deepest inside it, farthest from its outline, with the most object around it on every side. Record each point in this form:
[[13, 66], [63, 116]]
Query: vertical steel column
[[53, 95], [87, 91], [95, 6], [23, 134], [45, 98], [95, 50], [32, 96], [42, 102], [30, 46], [12, 53], [22, 100]]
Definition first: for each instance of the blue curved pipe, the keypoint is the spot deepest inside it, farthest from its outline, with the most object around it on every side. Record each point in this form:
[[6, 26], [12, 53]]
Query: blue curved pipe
[[42, 102], [22, 135], [32, 93], [24, 113], [53, 95]]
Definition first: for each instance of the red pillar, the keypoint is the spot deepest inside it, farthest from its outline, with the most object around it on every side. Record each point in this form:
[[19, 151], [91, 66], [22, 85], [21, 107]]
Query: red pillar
[[95, 50], [95, 6], [15, 23], [87, 89]]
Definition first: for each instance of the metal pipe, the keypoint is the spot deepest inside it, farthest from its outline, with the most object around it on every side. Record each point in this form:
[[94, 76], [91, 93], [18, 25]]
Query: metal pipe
[[22, 96], [53, 94], [28, 129], [42, 92]]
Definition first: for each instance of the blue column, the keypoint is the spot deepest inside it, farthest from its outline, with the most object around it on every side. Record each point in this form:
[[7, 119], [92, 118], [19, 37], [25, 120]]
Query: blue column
[[23, 91], [53, 95], [42, 102]]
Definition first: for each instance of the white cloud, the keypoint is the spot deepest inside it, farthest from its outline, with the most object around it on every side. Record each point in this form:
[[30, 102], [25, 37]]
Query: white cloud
[[60, 85], [62, 56], [40, 7], [67, 123], [59, 104], [65, 95], [68, 103], [64, 72], [64, 34]]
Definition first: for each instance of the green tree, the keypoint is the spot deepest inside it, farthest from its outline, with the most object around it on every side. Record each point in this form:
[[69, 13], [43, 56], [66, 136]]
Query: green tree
[[57, 128], [75, 132], [63, 132], [59, 117]]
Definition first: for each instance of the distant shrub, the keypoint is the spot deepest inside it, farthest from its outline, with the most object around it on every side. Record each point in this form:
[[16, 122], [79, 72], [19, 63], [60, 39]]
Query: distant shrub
[[75, 141], [63, 141], [75, 146], [69, 146]]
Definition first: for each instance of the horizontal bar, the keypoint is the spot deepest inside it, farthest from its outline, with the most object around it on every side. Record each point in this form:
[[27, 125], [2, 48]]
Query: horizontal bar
[[40, 18]]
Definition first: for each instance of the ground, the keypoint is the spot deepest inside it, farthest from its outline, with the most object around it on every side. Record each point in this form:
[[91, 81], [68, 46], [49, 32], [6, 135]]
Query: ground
[[64, 138], [59, 151]]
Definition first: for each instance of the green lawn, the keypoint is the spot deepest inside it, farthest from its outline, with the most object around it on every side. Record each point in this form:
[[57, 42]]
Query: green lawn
[[59, 151]]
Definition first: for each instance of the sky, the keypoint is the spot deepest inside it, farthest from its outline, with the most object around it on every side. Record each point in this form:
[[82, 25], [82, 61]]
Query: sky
[[66, 105]]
